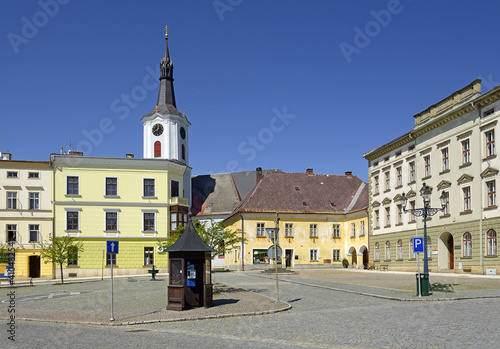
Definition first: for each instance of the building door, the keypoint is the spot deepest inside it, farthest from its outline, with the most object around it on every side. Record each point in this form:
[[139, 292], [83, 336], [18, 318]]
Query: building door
[[451, 249], [34, 266], [288, 257], [354, 258], [365, 258]]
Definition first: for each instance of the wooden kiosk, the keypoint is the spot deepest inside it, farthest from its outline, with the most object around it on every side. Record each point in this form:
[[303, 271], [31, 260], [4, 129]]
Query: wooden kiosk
[[190, 271]]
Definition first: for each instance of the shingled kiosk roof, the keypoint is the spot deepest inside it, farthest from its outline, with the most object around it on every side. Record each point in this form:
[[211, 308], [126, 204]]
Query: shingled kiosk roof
[[190, 241], [306, 193]]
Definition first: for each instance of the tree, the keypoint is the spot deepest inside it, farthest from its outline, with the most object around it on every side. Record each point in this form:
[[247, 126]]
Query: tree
[[215, 234], [61, 251]]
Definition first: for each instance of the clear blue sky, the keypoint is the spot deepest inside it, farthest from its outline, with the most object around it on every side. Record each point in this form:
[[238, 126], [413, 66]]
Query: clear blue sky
[[65, 70]]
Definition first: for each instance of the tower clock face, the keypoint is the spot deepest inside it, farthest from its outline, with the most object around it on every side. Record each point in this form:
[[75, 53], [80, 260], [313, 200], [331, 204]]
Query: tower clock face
[[183, 133], [157, 129]]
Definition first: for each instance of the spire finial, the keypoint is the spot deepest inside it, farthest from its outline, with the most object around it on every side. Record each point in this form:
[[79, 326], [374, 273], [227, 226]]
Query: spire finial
[[166, 31], [157, 108]]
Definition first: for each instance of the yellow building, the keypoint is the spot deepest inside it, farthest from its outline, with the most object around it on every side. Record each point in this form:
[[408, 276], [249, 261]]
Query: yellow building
[[134, 201], [26, 213], [322, 220]]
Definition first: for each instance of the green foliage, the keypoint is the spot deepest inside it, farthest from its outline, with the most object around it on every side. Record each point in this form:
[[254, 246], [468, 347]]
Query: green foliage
[[61, 251], [215, 234], [4, 250]]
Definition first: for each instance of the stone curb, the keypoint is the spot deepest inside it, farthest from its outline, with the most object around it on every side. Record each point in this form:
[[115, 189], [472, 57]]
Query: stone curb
[[380, 296]]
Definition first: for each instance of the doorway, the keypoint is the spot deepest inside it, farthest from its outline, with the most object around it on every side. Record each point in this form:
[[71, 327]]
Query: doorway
[[451, 251], [34, 266], [354, 258], [446, 251], [288, 257]]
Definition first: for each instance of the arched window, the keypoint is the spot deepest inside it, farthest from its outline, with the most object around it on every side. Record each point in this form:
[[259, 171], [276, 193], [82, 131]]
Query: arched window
[[412, 253], [400, 249], [157, 149], [491, 241], [377, 251], [429, 247], [387, 251], [467, 244], [183, 152]]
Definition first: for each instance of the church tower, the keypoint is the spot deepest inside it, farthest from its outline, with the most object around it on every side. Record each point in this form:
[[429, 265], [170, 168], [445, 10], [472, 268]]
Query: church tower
[[165, 128]]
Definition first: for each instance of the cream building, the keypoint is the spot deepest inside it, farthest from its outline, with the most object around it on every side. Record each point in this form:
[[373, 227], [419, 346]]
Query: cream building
[[451, 149], [26, 213]]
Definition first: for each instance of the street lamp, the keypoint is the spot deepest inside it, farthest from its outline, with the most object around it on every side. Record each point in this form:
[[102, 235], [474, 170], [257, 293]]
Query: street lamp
[[425, 212]]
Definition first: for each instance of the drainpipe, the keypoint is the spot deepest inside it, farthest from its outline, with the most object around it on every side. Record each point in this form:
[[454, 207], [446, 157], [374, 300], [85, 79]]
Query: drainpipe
[[242, 244], [481, 260]]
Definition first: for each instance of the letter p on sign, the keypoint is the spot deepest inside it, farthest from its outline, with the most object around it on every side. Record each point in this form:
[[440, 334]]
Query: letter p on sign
[[418, 245]]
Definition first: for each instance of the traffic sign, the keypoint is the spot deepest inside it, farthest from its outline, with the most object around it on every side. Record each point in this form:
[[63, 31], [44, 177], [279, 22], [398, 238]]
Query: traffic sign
[[272, 233], [418, 245], [270, 252], [112, 246]]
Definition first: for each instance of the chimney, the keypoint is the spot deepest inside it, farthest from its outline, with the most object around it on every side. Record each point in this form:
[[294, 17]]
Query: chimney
[[348, 174], [6, 156], [75, 153], [309, 171], [129, 156], [259, 173]]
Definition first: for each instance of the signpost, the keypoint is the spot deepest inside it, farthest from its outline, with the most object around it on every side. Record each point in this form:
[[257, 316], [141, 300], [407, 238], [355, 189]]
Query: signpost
[[274, 236], [418, 247], [112, 249]]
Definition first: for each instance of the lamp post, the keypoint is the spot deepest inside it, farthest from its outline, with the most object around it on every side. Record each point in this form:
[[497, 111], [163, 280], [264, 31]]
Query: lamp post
[[425, 212]]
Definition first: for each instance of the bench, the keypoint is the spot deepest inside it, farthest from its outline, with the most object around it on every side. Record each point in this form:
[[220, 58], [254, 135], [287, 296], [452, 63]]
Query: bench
[[370, 266], [383, 267]]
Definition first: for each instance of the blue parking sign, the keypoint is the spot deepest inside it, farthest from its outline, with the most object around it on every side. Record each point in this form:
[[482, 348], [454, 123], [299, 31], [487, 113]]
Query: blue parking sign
[[418, 245]]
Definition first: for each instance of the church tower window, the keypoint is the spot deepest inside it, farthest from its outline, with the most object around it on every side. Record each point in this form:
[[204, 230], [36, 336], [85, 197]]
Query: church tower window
[[157, 149]]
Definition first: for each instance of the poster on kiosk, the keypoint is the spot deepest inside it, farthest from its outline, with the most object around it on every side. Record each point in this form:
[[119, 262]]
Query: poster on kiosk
[[191, 275]]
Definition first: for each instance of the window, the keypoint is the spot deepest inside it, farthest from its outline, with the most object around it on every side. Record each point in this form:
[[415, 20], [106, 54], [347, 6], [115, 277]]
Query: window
[[377, 251], [183, 152], [72, 186], [72, 220], [362, 228], [261, 230], [411, 166], [376, 185], [427, 166], [174, 189], [34, 175], [377, 219], [34, 201], [336, 230], [465, 152], [447, 203], [467, 201], [336, 255], [467, 245], [110, 257], [11, 233], [429, 247], [388, 251], [12, 200], [149, 221], [314, 254], [73, 256], [313, 230], [413, 255], [387, 216], [490, 143], [387, 181], [489, 112], [149, 187], [34, 231], [400, 214], [491, 241], [445, 160], [412, 211], [400, 250], [177, 219], [399, 177], [492, 196], [111, 187], [148, 256], [353, 230], [288, 230], [111, 221], [11, 174], [157, 149]]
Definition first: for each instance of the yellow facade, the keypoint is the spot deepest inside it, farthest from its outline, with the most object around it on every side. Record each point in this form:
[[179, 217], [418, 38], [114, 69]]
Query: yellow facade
[[314, 239], [116, 187]]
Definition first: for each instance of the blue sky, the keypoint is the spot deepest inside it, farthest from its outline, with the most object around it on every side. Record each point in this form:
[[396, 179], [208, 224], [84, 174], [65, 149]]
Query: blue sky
[[271, 84]]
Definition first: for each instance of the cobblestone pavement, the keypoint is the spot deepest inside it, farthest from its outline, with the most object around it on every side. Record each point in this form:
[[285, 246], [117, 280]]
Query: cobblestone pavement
[[321, 317]]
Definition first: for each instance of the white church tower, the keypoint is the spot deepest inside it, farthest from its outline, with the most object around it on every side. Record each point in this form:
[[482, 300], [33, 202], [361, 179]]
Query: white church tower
[[166, 134]]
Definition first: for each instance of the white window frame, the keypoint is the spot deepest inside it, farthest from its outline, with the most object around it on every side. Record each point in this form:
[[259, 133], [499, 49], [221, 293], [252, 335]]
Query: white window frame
[[34, 202], [353, 229], [12, 200], [36, 230], [387, 250], [314, 251], [490, 143], [413, 255], [336, 254], [313, 230], [377, 251], [387, 180], [336, 230], [466, 195], [445, 155], [491, 195], [400, 213], [467, 245], [399, 176], [427, 166], [466, 151], [411, 169], [289, 230], [387, 217], [261, 230], [362, 228], [491, 242], [376, 184], [399, 247], [14, 230]]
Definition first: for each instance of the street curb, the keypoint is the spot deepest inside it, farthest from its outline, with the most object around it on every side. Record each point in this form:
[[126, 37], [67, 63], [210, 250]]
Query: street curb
[[461, 298]]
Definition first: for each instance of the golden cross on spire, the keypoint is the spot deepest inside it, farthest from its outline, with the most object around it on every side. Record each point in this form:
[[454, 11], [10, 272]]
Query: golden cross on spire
[[166, 31]]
